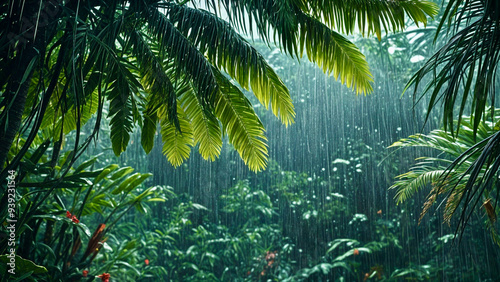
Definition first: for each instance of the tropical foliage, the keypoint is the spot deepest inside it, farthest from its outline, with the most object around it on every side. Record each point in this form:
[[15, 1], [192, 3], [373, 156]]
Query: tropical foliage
[[167, 64], [434, 171], [66, 214], [184, 75], [464, 77]]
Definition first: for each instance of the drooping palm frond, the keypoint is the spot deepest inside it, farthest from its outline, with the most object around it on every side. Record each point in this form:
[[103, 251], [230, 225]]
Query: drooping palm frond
[[148, 131], [285, 22], [335, 54], [206, 129], [177, 144], [465, 69], [120, 111], [466, 171], [411, 182], [154, 78], [242, 126], [367, 16], [184, 53], [227, 50], [122, 86]]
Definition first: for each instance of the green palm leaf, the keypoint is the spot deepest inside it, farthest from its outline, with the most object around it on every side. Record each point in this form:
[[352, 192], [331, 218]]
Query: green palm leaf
[[335, 54], [411, 182], [120, 109], [187, 58], [206, 130], [154, 78], [287, 22], [469, 175], [177, 145], [241, 124], [369, 16], [227, 50], [148, 131], [465, 69]]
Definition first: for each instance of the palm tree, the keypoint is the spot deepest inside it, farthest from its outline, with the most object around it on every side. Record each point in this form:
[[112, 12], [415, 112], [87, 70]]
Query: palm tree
[[432, 171], [171, 65], [464, 77]]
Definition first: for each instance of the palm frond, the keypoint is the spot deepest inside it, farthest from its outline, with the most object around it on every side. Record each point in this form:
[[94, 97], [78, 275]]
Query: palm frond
[[283, 22], [368, 16], [465, 69], [121, 118], [227, 50], [187, 58], [437, 139], [335, 54], [242, 126], [286, 22], [154, 78], [273, 19], [64, 114], [411, 182], [471, 172], [120, 108], [177, 144], [148, 131], [121, 86], [206, 129]]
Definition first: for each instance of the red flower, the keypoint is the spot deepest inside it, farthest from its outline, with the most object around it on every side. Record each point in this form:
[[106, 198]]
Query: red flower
[[72, 217], [85, 272], [271, 255], [104, 277], [146, 261], [355, 252]]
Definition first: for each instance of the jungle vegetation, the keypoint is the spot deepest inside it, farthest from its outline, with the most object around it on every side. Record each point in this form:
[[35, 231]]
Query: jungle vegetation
[[102, 102]]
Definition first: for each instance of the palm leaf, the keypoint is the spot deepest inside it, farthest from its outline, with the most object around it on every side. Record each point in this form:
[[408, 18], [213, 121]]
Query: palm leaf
[[120, 109], [241, 124], [148, 131], [335, 54], [415, 180], [154, 78], [286, 23], [472, 166], [177, 145], [227, 50], [206, 130], [464, 68], [369, 16], [187, 58]]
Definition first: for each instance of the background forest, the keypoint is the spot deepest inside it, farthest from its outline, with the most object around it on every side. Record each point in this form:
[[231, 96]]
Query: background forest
[[339, 186]]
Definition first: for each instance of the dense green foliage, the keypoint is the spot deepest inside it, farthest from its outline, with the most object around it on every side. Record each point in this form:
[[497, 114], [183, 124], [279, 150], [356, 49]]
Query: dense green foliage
[[167, 64], [465, 79], [88, 87], [433, 171]]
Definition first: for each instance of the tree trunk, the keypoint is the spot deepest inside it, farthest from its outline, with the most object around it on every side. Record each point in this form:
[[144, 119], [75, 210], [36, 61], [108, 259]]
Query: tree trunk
[[9, 127], [30, 46]]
